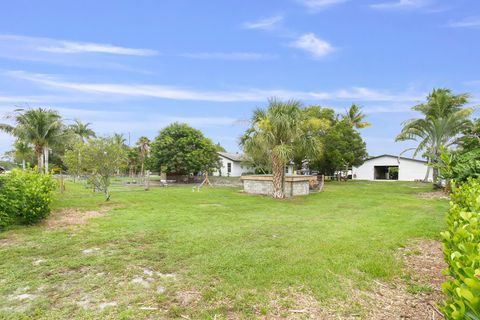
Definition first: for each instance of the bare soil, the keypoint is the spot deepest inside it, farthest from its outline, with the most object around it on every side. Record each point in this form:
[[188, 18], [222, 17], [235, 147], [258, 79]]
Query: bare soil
[[72, 217]]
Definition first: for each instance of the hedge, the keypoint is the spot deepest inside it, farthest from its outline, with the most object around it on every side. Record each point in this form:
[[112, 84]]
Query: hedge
[[25, 196], [461, 249]]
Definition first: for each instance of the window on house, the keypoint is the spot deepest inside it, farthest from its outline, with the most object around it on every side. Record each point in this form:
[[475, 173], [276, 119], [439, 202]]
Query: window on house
[[229, 167]]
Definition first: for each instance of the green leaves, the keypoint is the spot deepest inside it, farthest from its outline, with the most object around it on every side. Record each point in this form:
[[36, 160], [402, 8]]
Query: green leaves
[[25, 196], [461, 248]]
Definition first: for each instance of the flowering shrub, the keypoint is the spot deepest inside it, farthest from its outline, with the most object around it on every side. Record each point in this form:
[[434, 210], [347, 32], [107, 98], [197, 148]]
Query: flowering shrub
[[25, 196], [461, 249]]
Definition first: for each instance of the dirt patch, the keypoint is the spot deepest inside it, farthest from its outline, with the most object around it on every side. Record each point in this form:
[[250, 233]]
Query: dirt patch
[[433, 195], [72, 217], [416, 293]]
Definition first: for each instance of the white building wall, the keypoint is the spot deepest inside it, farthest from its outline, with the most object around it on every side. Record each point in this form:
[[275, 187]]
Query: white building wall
[[237, 168], [408, 170]]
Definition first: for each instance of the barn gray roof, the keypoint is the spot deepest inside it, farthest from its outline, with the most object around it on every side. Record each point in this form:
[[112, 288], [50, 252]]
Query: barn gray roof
[[392, 156], [237, 157]]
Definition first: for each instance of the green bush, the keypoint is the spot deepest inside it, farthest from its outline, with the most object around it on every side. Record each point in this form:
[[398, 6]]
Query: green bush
[[461, 249], [25, 196]]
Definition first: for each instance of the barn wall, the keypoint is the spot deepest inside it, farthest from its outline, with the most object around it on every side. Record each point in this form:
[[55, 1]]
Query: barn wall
[[409, 170]]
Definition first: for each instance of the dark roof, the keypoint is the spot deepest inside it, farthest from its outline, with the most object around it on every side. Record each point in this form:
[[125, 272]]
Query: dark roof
[[2, 168], [392, 156], [237, 157]]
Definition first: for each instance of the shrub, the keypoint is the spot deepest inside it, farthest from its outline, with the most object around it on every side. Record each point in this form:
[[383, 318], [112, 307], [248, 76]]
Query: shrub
[[461, 248], [25, 196]]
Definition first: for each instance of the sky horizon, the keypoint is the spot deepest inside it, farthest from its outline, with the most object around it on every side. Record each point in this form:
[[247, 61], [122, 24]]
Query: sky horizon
[[134, 68]]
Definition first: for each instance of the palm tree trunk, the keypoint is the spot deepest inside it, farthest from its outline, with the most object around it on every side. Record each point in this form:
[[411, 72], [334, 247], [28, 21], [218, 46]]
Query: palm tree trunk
[[428, 171], [45, 155], [39, 153], [277, 177]]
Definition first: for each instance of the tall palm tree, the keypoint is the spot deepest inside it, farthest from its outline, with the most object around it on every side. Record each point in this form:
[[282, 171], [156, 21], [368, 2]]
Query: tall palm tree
[[277, 131], [355, 117], [40, 127], [82, 130], [143, 145], [444, 119]]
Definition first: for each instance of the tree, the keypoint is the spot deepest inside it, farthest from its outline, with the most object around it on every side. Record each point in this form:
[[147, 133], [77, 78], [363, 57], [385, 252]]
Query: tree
[[22, 152], [183, 150], [278, 131], [355, 117], [40, 127], [344, 147], [444, 118], [119, 139], [82, 130], [101, 158], [143, 145], [219, 147]]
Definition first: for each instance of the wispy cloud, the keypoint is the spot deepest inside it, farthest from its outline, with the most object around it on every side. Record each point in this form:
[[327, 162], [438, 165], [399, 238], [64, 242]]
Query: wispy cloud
[[402, 4], [470, 22], [247, 56], [180, 93], [315, 46], [70, 47], [321, 4], [265, 24]]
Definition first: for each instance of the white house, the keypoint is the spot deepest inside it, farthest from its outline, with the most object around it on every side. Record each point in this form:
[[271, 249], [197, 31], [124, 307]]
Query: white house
[[231, 165], [389, 167]]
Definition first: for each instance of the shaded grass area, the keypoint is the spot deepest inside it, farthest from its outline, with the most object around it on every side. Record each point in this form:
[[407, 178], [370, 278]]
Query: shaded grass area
[[215, 252]]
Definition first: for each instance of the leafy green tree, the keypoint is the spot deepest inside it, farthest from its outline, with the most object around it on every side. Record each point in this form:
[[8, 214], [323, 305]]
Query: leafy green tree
[[444, 119], [183, 150], [344, 147], [278, 132], [101, 158], [219, 148], [40, 127]]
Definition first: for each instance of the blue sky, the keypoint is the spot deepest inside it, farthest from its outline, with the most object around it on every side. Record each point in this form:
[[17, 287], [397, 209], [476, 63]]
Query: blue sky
[[134, 67]]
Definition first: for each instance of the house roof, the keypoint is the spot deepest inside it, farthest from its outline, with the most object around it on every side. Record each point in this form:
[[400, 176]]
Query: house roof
[[397, 157], [237, 157]]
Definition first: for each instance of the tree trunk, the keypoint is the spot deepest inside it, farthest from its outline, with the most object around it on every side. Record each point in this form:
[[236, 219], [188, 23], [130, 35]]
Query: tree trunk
[[45, 155], [23, 164], [142, 171], [435, 178], [428, 173], [277, 177], [39, 153]]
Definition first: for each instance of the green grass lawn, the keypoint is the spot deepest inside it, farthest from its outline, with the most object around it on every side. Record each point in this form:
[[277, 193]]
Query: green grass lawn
[[168, 252]]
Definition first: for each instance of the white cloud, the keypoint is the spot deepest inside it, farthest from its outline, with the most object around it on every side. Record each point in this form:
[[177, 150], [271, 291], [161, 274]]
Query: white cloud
[[17, 43], [247, 56], [321, 4], [470, 22], [317, 47], [402, 4], [116, 91], [265, 24]]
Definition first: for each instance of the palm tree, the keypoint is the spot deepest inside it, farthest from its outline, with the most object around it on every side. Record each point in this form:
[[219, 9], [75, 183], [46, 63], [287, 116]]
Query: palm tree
[[143, 144], [355, 117], [444, 119], [119, 139], [22, 151], [40, 127], [82, 130], [277, 131]]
